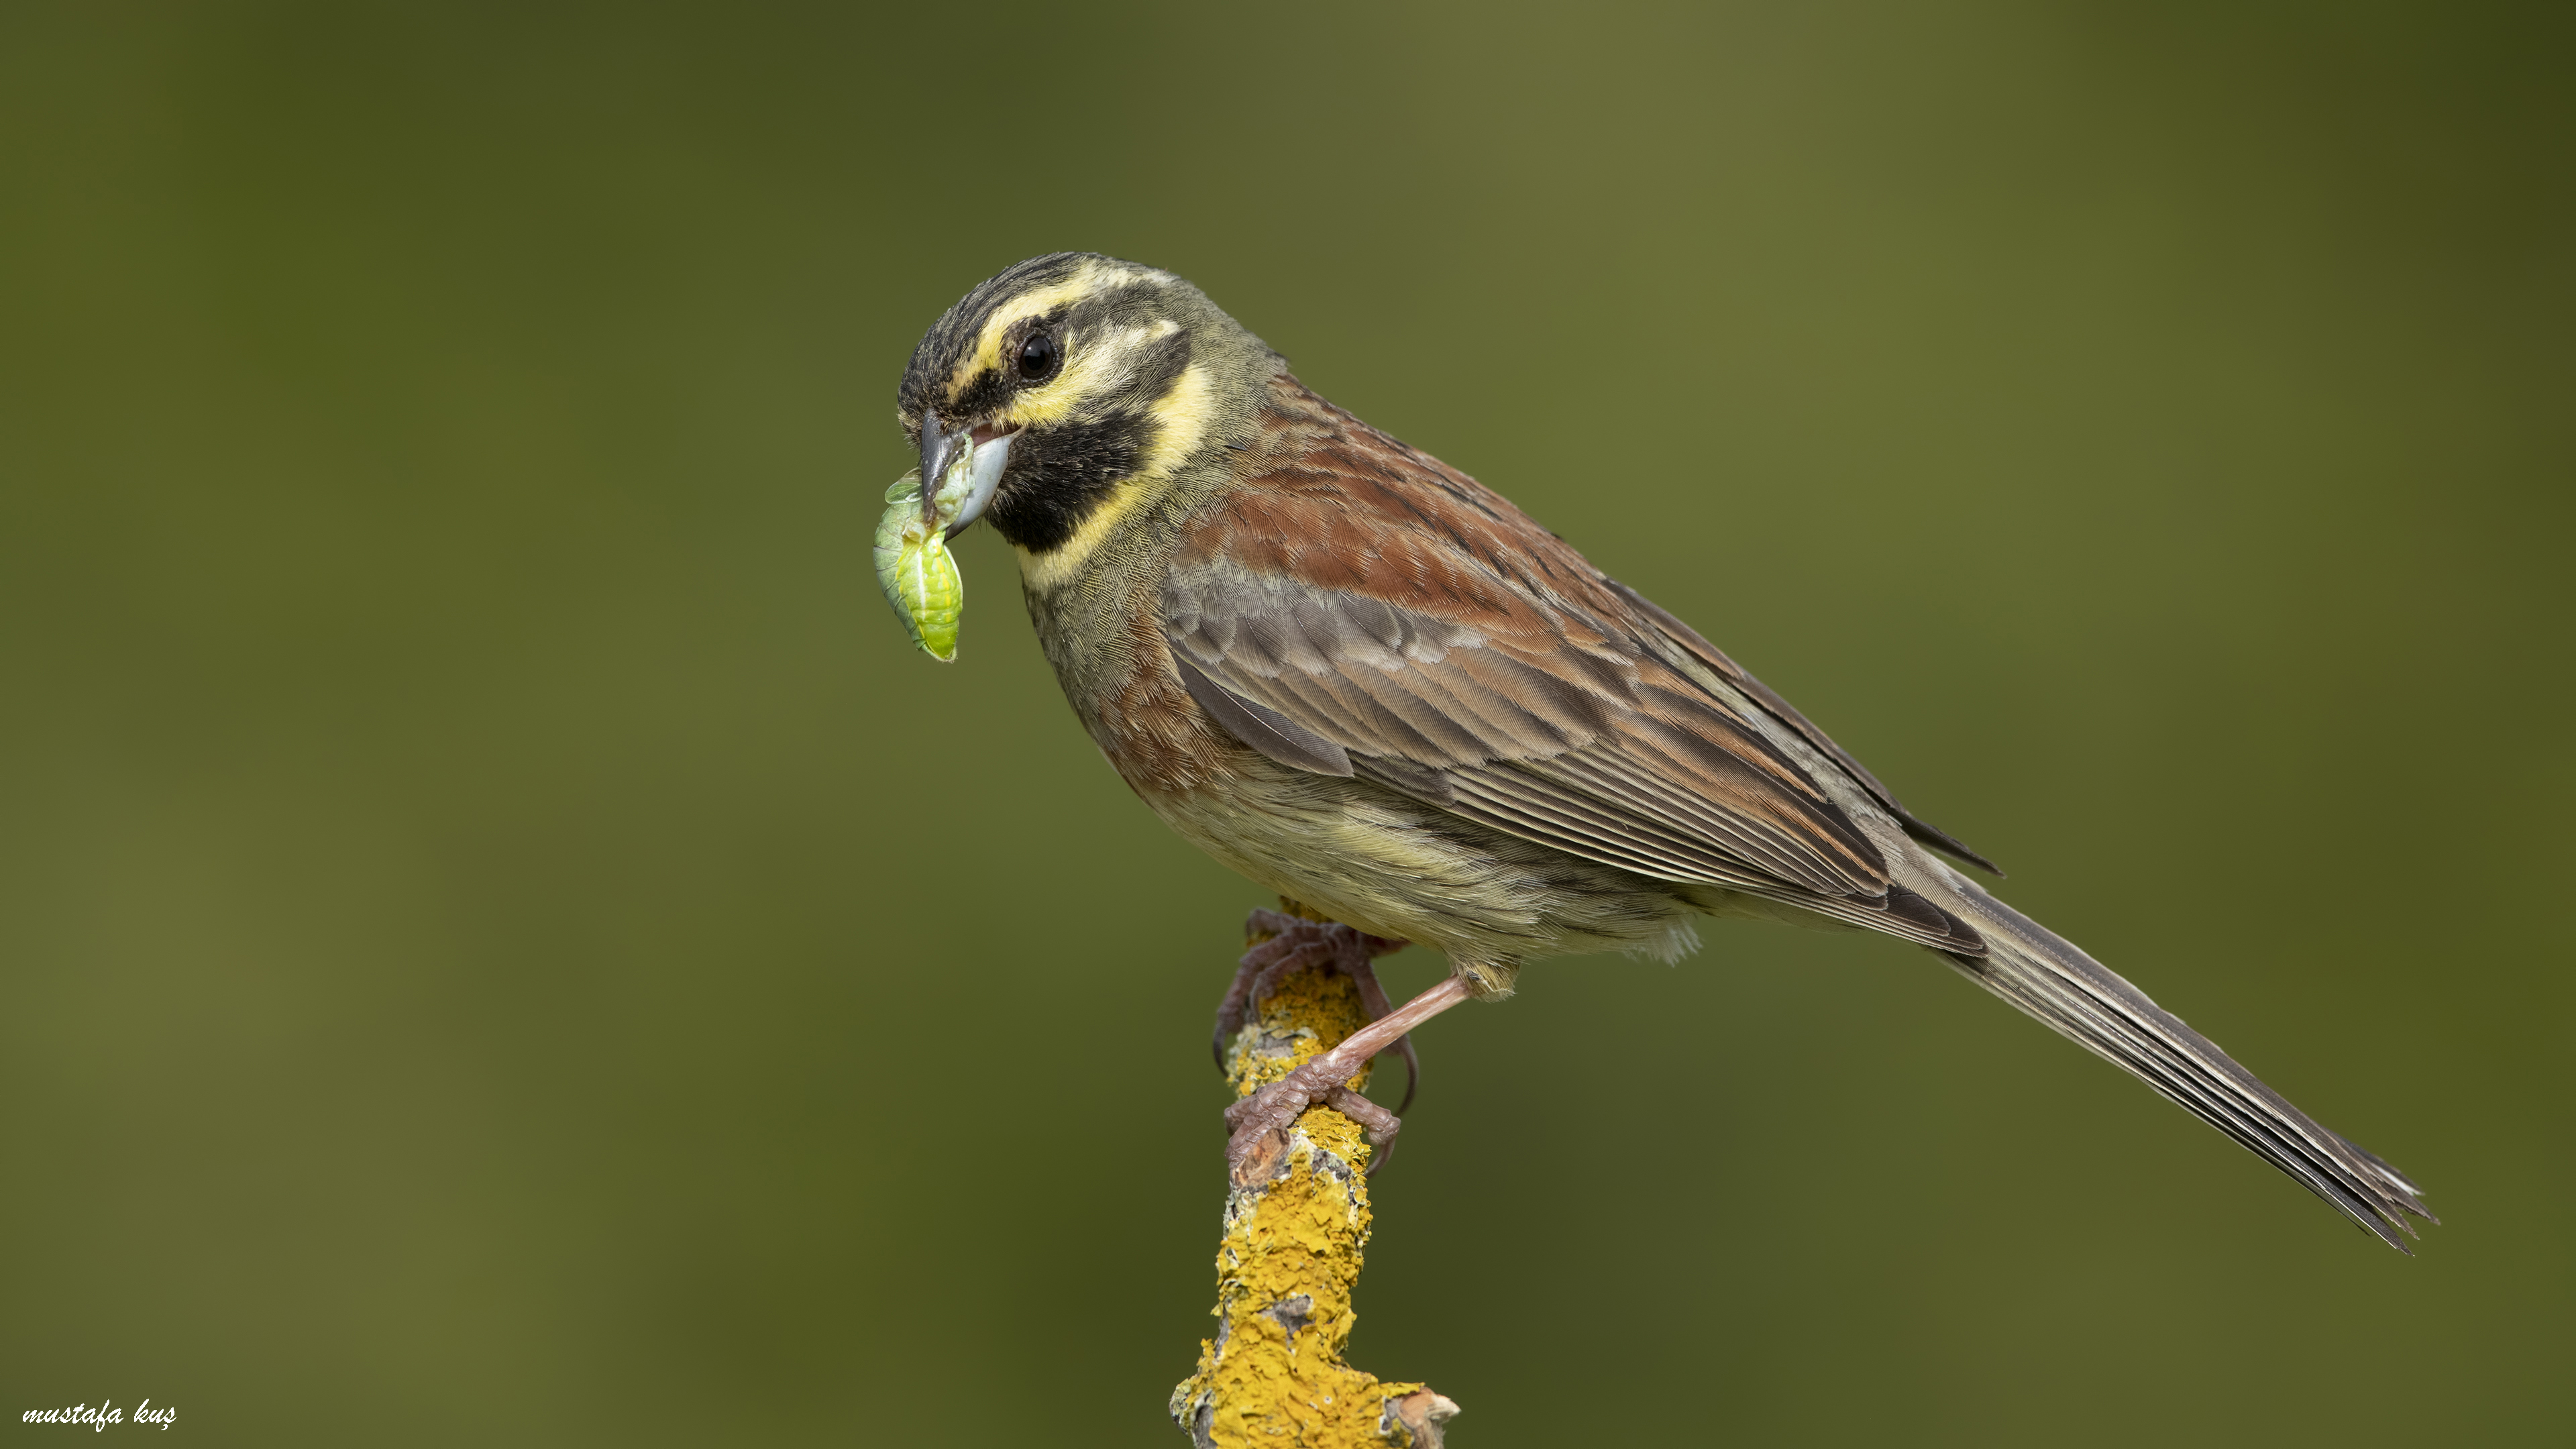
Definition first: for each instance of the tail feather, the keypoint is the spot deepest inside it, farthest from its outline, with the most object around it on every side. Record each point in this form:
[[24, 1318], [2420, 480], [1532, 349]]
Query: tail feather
[[2049, 978]]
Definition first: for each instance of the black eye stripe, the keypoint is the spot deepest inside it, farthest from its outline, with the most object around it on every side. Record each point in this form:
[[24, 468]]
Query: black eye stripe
[[979, 397]]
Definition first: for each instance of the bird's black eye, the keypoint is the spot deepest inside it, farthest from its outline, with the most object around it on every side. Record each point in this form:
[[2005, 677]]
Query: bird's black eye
[[1039, 356]]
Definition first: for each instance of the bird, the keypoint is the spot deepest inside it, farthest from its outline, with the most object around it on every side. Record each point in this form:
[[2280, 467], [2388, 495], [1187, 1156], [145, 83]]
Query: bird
[[1364, 680]]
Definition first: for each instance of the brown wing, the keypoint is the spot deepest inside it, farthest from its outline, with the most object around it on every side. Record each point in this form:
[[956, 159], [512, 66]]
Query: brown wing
[[1358, 608], [1689, 640]]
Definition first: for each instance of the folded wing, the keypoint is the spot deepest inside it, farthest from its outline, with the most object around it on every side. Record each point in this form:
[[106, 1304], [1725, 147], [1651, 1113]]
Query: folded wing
[[1408, 627]]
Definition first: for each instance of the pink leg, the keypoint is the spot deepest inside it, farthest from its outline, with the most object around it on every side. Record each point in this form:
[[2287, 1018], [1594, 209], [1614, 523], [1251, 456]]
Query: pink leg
[[1275, 1106]]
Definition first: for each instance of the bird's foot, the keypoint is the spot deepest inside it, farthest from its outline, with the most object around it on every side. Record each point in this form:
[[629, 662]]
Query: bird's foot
[[1297, 944], [1259, 1123], [1257, 1126]]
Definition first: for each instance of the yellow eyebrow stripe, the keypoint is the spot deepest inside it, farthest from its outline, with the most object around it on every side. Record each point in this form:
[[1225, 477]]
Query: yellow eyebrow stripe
[[988, 347]]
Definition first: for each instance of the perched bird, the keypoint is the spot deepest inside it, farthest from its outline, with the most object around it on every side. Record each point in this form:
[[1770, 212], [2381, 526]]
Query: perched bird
[[1366, 681]]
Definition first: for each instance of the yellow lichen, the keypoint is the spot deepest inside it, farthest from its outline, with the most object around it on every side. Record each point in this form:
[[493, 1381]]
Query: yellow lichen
[[1274, 1375]]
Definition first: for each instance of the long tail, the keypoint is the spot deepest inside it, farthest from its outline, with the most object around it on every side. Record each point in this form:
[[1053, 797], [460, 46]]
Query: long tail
[[2084, 1000]]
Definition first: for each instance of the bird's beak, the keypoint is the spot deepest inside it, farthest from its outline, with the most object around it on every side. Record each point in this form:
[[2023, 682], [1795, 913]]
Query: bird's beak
[[941, 448], [939, 445]]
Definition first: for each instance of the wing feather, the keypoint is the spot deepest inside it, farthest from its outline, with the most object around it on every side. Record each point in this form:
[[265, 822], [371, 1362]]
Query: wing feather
[[1352, 611]]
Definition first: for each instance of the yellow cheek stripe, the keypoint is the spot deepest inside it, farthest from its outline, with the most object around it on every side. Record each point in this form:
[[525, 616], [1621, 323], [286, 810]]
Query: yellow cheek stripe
[[1181, 416]]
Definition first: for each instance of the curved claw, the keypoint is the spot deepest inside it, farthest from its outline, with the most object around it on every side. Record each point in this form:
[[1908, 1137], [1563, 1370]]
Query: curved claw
[[1379, 1124]]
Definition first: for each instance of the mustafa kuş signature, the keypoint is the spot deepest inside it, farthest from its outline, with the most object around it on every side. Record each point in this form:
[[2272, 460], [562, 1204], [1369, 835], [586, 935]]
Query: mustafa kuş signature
[[99, 1418]]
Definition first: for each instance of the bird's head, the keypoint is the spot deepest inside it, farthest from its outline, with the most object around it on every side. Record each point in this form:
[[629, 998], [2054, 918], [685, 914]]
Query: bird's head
[[1087, 385]]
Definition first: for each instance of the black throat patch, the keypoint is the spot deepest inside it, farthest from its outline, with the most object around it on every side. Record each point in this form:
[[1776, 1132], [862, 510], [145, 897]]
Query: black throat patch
[[1059, 476]]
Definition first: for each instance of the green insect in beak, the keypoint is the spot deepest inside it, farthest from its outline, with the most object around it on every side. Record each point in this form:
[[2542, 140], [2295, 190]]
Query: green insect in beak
[[914, 566]]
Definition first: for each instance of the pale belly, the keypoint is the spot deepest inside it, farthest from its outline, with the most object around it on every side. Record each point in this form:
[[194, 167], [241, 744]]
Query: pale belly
[[1394, 867]]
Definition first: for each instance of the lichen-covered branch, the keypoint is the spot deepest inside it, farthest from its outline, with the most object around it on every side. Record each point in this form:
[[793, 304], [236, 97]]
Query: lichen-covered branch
[[1274, 1375]]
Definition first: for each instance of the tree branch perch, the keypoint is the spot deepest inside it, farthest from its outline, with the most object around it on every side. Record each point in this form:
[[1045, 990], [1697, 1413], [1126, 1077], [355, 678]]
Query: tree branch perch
[[1274, 1375]]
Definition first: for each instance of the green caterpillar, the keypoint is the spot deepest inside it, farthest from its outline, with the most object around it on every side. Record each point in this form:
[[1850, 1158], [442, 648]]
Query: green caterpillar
[[913, 564]]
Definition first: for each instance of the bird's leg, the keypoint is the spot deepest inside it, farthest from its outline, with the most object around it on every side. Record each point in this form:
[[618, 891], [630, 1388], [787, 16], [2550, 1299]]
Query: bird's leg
[[1363, 974], [1298, 944], [1326, 1078]]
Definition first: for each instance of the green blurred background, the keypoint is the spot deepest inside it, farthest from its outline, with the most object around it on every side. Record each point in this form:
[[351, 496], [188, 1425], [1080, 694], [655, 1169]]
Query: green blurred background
[[502, 941]]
